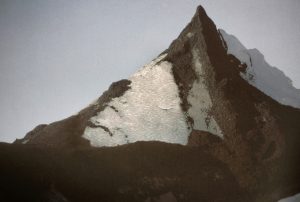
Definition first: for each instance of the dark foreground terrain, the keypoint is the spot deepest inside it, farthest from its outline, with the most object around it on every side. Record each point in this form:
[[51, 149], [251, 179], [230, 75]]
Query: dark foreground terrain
[[142, 171]]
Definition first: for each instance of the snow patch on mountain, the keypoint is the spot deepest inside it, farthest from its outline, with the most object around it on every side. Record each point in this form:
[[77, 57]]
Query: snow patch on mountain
[[295, 198], [260, 74], [200, 101], [190, 35], [149, 111]]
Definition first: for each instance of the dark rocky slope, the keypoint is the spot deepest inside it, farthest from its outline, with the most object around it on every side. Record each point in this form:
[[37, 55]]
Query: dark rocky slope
[[143, 171]]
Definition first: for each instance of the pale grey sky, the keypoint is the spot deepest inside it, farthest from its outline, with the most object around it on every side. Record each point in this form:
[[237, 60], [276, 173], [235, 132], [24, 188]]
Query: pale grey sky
[[56, 56]]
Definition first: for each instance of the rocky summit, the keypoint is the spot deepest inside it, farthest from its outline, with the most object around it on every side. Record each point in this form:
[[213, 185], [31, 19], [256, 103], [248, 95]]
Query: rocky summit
[[206, 120]]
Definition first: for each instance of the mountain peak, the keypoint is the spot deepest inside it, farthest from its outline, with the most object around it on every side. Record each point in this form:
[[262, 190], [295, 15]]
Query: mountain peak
[[195, 94], [192, 86], [200, 12]]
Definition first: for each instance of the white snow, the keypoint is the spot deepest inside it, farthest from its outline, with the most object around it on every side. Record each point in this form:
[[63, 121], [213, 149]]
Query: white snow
[[150, 110], [200, 101], [260, 74], [190, 35], [295, 198]]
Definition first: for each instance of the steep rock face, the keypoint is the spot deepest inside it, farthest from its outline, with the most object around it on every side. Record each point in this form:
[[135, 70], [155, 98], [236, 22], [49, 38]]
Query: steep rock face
[[254, 132], [193, 94], [258, 132]]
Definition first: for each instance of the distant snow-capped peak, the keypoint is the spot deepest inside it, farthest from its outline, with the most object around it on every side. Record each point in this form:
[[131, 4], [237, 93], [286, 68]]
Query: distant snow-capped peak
[[260, 74]]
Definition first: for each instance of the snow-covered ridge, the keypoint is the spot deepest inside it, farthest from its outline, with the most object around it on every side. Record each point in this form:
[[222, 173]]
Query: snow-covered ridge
[[200, 101], [260, 74], [150, 110]]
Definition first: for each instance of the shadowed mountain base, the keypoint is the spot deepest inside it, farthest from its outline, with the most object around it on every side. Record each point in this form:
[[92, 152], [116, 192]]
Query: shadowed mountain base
[[144, 171]]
